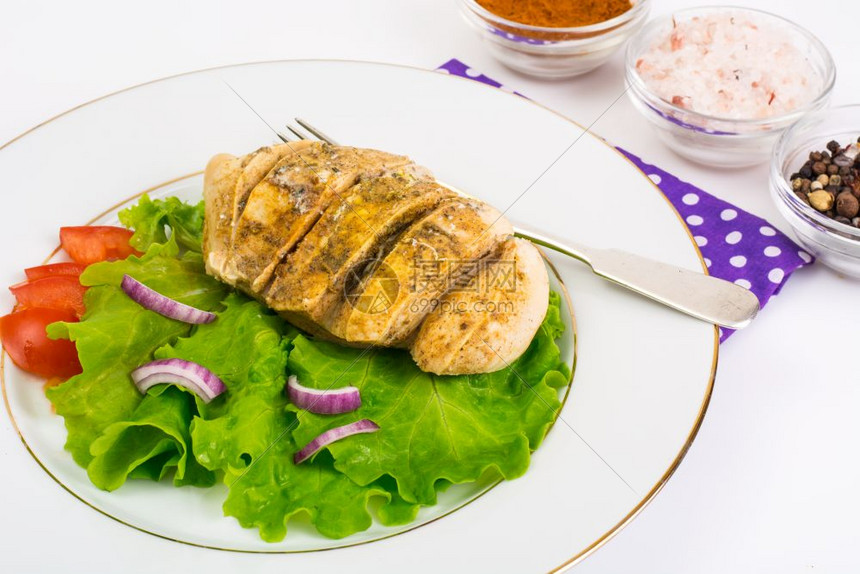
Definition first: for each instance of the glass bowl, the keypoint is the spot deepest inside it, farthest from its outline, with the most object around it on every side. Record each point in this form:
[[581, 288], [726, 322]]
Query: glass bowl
[[553, 52], [712, 140], [835, 244]]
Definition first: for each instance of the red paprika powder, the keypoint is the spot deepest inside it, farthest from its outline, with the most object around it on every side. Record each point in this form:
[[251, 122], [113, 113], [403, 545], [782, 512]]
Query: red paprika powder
[[557, 13]]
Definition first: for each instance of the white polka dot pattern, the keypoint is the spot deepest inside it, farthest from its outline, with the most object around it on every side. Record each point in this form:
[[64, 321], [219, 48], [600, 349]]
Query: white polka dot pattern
[[776, 275]]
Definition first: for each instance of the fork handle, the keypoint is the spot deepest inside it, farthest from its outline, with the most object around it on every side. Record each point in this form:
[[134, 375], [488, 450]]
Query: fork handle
[[702, 296]]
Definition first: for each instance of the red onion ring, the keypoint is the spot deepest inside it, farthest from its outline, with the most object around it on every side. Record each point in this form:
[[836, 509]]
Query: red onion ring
[[333, 435], [162, 304], [196, 378], [323, 402]]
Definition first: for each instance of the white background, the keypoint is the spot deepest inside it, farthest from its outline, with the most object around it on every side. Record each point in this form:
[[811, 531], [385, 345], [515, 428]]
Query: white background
[[770, 485]]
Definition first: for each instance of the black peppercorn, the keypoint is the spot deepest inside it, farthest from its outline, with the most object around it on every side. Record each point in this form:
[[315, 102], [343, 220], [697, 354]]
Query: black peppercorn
[[847, 205], [829, 181]]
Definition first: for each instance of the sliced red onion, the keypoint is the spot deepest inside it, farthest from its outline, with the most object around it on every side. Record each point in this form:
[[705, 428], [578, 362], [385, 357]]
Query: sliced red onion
[[196, 378], [333, 435], [328, 402], [162, 304]]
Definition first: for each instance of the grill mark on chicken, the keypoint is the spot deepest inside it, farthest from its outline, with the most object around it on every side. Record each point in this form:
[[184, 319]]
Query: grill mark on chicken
[[455, 341], [311, 279]]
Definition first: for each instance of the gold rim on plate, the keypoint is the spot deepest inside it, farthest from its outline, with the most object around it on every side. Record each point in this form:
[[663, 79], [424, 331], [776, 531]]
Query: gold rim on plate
[[691, 436]]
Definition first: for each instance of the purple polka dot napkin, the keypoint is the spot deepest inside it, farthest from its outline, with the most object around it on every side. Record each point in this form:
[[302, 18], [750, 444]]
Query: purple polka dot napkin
[[737, 246]]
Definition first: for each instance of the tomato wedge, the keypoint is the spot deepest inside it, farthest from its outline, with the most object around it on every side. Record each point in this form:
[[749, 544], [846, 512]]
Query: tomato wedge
[[63, 292], [24, 338], [42, 271], [93, 243]]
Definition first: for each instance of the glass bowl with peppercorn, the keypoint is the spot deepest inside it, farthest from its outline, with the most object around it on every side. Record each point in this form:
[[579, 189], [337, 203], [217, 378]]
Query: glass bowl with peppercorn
[[721, 83], [554, 38], [815, 182]]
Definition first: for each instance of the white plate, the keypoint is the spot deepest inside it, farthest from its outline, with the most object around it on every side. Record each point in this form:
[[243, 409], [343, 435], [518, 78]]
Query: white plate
[[644, 373]]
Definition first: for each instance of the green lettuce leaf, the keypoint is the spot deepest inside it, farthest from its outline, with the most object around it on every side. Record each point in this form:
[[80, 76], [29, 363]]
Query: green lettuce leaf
[[116, 335], [151, 220], [436, 431], [247, 431], [434, 428], [155, 440]]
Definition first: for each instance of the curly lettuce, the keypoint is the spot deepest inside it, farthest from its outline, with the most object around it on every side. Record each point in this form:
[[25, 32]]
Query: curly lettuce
[[435, 431], [247, 433], [153, 220], [433, 428], [116, 335]]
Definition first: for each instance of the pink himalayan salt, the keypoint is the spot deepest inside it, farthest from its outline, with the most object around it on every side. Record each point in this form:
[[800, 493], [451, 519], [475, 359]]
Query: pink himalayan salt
[[731, 66]]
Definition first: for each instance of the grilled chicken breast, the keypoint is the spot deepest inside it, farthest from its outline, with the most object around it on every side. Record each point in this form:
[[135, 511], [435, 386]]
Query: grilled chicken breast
[[489, 322], [289, 200], [364, 247], [351, 232], [427, 259]]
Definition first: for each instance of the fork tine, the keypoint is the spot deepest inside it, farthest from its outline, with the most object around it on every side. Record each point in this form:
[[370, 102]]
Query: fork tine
[[319, 134], [298, 132], [284, 137]]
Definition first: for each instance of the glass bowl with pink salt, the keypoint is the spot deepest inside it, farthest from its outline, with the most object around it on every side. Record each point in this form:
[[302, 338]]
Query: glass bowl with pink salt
[[720, 84]]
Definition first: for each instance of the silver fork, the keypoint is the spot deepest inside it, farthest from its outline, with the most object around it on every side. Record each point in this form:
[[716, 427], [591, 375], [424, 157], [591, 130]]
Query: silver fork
[[702, 296]]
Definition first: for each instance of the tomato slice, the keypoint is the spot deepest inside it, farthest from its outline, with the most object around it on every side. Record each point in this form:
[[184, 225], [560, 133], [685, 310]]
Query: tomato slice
[[42, 271], [93, 243], [24, 338], [63, 292]]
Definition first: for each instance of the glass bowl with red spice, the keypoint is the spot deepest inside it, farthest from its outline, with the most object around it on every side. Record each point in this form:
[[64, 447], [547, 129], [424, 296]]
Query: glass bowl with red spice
[[554, 38], [721, 83]]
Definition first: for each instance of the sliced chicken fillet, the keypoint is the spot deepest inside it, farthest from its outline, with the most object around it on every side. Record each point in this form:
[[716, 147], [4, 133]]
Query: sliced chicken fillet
[[351, 232], [256, 166], [227, 183], [394, 296], [289, 200], [487, 326], [363, 247], [219, 190]]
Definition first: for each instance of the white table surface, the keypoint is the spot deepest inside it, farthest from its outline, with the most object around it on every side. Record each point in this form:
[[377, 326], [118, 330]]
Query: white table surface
[[771, 484]]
